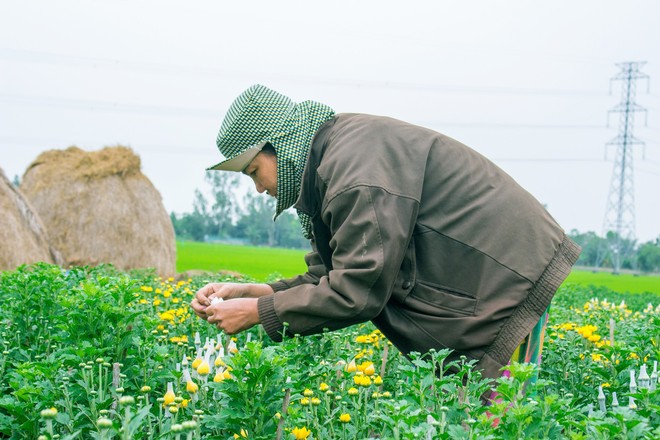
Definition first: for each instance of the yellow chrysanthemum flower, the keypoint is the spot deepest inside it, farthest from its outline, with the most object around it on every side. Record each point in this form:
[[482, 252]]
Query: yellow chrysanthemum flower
[[301, 433], [345, 418], [191, 387], [167, 316], [169, 395], [362, 380], [198, 360], [204, 368]]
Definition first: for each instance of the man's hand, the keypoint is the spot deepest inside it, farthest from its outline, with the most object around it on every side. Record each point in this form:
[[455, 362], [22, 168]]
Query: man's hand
[[233, 316], [226, 291]]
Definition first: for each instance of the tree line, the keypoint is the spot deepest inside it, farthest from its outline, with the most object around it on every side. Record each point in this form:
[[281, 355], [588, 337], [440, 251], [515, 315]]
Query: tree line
[[599, 252], [220, 217]]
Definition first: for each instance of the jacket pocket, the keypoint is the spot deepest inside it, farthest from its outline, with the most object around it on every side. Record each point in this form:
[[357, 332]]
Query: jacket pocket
[[440, 300]]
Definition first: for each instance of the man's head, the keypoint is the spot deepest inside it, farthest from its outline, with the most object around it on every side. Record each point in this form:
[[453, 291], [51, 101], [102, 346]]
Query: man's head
[[268, 130]]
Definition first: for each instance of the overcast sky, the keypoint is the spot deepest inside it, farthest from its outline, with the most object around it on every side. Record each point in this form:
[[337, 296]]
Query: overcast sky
[[525, 83]]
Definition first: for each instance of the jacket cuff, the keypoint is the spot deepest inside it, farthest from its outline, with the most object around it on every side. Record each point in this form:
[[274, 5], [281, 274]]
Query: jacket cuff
[[278, 285], [268, 318]]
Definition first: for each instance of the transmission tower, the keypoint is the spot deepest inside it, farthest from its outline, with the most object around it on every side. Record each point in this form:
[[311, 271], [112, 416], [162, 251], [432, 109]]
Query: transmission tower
[[619, 225]]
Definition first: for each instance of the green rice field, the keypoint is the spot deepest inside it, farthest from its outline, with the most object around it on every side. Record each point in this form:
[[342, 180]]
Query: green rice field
[[265, 263], [622, 283], [260, 263]]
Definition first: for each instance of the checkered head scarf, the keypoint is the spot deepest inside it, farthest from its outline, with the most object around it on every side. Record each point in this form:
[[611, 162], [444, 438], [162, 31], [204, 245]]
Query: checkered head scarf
[[261, 115]]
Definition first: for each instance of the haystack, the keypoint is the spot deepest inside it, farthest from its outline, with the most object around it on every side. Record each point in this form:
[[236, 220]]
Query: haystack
[[98, 207], [22, 234]]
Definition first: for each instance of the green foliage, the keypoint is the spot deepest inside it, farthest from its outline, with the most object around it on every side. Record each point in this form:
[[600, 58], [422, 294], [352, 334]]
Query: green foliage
[[254, 396], [100, 346], [648, 257]]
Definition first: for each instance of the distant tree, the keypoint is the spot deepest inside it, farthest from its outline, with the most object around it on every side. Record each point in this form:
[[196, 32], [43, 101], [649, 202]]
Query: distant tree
[[222, 210], [193, 225], [648, 257], [256, 222], [201, 214], [17, 181], [288, 232], [188, 226], [594, 248]]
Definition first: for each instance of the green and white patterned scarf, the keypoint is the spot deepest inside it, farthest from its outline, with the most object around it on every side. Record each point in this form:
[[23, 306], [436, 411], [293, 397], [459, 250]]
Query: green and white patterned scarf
[[259, 115]]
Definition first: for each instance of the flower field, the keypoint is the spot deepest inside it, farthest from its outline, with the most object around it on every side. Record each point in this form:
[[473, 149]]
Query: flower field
[[94, 353]]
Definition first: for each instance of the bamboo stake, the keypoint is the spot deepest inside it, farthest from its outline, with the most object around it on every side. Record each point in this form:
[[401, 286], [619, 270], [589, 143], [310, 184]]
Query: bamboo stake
[[285, 408], [383, 364]]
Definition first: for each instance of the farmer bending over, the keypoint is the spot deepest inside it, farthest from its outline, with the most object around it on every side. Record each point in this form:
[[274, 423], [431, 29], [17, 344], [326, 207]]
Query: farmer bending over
[[409, 229]]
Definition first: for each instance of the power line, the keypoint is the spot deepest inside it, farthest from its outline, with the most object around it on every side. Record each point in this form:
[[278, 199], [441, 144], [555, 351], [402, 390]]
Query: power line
[[91, 62], [515, 125], [648, 172], [114, 106], [159, 148], [108, 106], [547, 159]]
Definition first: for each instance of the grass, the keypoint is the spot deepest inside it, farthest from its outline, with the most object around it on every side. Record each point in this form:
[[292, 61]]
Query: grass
[[263, 263], [260, 263], [622, 283]]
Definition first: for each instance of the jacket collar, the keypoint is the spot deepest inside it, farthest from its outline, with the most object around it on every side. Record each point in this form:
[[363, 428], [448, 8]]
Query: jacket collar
[[309, 200]]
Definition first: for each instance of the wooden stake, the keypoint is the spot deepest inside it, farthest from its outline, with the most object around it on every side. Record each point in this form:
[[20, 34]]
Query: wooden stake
[[383, 364], [285, 408], [116, 372]]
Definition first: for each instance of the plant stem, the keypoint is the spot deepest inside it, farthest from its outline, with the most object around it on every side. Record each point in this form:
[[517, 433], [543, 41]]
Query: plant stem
[[127, 419]]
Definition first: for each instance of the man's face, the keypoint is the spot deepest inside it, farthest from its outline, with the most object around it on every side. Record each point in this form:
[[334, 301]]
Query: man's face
[[263, 172]]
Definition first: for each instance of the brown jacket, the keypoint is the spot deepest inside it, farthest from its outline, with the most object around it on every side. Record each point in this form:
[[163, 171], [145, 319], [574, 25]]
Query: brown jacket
[[423, 236]]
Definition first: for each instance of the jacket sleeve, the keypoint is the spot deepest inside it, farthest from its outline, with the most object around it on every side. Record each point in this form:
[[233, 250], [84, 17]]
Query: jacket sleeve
[[370, 232], [315, 270]]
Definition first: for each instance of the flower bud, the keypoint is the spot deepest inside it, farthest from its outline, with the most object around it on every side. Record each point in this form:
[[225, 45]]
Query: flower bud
[[126, 400], [49, 413], [104, 423]]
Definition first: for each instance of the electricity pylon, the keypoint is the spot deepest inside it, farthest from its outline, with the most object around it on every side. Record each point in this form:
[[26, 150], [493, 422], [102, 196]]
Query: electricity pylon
[[619, 224]]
